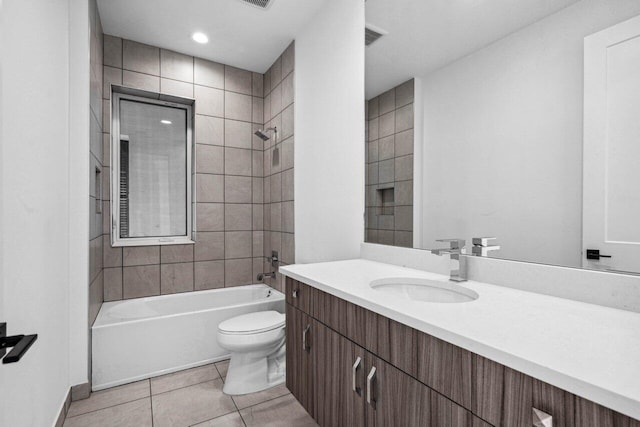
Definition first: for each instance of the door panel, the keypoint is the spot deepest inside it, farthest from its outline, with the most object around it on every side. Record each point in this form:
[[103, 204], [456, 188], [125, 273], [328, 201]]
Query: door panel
[[300, 361], [396, 398], [400, 400], [611, 200], [336, 402]]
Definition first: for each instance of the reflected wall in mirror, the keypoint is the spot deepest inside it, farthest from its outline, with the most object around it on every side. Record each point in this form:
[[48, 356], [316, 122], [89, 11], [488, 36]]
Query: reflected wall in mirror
[[389, 171], [524, 129]]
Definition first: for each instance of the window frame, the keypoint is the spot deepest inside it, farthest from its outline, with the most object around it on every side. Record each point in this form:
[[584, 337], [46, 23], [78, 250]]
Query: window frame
[[115, 138]]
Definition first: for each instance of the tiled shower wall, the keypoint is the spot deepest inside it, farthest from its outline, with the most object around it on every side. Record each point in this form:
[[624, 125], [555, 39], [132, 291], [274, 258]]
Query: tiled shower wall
[[96, 168], [230, 170], [389, 172], [278, 163]]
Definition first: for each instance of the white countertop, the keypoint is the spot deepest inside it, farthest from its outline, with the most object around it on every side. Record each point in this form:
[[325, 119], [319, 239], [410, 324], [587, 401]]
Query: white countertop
[[586, 349]]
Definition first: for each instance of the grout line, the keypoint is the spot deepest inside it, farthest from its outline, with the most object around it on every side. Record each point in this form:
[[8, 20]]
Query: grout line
[[189, 385], [107, 407], [151, 402], [214, 418]]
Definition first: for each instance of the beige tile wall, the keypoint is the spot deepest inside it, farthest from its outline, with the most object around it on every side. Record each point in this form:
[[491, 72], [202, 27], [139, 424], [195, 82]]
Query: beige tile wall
[[231, 165], [278, 162], [389, 157]]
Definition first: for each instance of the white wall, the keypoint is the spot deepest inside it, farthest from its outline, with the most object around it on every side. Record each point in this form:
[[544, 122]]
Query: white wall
[[79, 129], [329, 145], [503, 138], [36, 173]]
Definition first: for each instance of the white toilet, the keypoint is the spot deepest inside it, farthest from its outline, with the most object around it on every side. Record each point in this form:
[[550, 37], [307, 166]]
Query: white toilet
[[257, 345]]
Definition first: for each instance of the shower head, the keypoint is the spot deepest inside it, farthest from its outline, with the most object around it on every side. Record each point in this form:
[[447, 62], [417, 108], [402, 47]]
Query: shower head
[[263, 133]]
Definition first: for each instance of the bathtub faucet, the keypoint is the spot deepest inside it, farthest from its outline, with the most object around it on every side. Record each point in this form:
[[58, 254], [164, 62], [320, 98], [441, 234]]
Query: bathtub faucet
[[261, 276]]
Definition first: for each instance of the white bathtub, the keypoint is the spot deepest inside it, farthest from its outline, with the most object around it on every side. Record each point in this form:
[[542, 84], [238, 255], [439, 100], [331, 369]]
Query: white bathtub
[[146, 337]]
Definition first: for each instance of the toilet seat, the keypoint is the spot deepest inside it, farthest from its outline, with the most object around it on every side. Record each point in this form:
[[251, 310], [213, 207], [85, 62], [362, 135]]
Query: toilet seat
[[252, 323]]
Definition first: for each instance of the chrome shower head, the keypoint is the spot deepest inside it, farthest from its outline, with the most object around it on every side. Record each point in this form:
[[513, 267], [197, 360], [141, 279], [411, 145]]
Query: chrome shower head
[[263, 133]]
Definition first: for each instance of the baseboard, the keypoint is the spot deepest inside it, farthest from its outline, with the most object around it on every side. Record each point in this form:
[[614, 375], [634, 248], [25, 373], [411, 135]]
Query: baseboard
[[62, 416], [80, 391]]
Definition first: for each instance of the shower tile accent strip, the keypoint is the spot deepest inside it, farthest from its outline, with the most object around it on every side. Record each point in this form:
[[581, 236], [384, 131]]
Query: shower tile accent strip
[[231, 165], [389, 168]]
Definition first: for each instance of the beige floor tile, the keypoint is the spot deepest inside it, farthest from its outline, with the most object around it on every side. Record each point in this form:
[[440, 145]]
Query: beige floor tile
[[281, 412], [110, 397], [131, 414], [246, 400], [223, 367], [230, 420], [191, 405], [183, 378]]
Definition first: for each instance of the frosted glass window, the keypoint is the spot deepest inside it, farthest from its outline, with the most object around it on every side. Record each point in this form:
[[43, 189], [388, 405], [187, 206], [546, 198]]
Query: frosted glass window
[[151, 193]]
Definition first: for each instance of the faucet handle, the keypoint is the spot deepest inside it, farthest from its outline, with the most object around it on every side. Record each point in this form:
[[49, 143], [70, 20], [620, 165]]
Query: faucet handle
[[483, 250], [453, 243], [482, 241]]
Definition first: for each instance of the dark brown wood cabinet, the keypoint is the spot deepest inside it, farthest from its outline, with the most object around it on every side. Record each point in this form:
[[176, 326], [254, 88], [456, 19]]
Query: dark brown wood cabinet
[[337, 352], [300, 377], [339, 369]]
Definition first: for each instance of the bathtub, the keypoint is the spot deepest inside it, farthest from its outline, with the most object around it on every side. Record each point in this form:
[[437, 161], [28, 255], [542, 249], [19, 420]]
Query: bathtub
[[145, 337]]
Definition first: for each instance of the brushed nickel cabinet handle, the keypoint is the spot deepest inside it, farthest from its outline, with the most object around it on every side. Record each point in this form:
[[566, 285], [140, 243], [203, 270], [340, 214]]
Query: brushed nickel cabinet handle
[[370, 379], [294, 293], [541, 419], [355, 368], [305, 347]]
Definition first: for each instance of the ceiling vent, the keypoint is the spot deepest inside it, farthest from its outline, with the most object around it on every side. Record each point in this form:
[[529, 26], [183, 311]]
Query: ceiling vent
[[262, 4], [371, 34]]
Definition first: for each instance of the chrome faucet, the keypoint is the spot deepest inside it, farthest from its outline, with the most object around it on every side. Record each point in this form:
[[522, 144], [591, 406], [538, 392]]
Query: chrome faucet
[[458, 261]]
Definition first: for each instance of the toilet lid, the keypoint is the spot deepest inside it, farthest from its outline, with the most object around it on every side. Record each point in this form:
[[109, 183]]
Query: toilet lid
[[260, 321]]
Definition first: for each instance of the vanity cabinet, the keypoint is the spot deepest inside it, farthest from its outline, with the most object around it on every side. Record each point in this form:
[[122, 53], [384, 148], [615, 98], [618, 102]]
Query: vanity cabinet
[[413, 379]]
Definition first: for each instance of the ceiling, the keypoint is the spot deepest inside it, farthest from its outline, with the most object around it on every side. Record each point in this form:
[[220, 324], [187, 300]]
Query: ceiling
[[240, 35], [425, 35]]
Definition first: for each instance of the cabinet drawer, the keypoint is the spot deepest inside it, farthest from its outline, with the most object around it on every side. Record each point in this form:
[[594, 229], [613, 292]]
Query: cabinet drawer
[[397, 344], [445, 368], [501, 395], [330, 310], [589, 414], [298, 295]]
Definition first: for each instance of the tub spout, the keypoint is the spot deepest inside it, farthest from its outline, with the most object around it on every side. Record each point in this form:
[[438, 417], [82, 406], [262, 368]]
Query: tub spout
[[262, 276]]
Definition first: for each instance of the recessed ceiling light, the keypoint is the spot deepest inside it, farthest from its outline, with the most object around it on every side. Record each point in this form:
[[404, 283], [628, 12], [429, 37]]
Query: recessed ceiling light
[[200, 38], [165, 122]]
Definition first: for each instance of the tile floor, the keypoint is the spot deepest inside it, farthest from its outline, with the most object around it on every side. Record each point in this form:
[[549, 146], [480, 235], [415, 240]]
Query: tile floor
[[187, 398]]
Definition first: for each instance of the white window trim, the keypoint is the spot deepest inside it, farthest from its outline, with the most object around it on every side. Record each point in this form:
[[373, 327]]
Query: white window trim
[[116, 240]]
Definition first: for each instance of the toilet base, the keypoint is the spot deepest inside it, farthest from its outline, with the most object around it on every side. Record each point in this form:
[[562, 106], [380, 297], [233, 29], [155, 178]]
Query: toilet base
[[253, 372]]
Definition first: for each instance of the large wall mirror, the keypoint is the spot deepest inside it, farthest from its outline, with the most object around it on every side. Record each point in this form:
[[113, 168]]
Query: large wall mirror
[[506, 119]]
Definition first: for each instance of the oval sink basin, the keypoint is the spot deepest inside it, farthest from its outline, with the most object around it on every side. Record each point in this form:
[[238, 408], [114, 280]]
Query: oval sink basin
[[424, 290]]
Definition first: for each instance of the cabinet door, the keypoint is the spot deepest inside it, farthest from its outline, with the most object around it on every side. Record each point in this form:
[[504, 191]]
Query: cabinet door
[[299, 335], [396, 399], [337, 404]]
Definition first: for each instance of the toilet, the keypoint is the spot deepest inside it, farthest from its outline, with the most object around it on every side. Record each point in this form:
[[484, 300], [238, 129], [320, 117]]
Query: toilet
[[256, 342]]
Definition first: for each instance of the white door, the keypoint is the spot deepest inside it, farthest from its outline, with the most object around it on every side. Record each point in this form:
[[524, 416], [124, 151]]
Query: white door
[[611, 184]]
